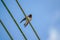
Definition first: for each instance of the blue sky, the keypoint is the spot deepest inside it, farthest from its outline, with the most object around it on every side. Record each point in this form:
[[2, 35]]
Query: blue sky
[[45, 17]]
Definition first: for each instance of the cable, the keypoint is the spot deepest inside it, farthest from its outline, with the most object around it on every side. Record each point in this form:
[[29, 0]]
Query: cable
[[6, 30], [14, 19], [28, 20]]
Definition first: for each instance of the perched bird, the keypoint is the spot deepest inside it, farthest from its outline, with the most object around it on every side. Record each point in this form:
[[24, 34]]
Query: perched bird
[[29, 17]]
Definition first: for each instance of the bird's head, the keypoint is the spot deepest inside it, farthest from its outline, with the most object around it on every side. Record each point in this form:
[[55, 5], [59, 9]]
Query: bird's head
[[30, 15]]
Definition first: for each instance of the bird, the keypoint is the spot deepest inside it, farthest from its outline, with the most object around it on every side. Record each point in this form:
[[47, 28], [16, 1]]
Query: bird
[[29, 18]]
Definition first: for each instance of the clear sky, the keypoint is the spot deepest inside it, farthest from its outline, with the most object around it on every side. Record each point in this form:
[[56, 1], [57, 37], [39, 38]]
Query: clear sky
[[45, 19]]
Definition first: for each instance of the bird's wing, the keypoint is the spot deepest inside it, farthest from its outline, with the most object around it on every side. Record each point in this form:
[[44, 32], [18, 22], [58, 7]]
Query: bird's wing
[[23, 20], [26, 23]]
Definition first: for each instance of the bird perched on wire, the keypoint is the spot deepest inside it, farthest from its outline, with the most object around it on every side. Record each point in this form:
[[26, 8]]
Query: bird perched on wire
[[27, 20]]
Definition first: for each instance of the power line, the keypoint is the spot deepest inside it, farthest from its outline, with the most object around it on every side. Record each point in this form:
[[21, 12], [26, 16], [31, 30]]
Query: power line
[[28, 20], [14, 19], [6, 30]]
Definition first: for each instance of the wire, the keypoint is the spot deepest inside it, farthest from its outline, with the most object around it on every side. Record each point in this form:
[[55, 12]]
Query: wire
[[6, 30], [14, 19], [28, 19]]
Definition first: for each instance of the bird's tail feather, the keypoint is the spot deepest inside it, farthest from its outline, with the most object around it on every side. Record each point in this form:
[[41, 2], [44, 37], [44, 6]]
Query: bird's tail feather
[[22, 20]]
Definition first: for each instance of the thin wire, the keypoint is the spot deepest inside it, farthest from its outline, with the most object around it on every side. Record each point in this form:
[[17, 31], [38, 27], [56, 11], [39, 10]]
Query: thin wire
[[6, 30], [14, 19], [28, 20]]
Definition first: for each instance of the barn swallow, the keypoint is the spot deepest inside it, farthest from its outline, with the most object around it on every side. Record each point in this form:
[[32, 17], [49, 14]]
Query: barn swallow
[[29, 17]]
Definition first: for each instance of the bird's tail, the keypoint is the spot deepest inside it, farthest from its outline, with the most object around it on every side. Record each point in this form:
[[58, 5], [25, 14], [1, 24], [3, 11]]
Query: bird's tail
[[22, 20]]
